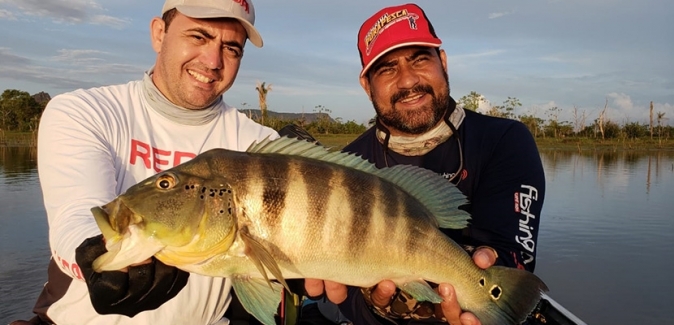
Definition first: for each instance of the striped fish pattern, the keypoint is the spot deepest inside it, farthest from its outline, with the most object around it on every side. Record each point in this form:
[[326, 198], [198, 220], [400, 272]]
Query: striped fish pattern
[[288, 208]]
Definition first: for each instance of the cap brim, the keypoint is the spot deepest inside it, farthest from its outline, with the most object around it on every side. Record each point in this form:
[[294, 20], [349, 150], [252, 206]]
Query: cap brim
[[397, 46], [204, 13]]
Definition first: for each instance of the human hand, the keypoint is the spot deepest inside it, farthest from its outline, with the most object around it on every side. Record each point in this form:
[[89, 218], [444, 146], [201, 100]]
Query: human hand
[[131, 291], [483, 257], [335, 292]]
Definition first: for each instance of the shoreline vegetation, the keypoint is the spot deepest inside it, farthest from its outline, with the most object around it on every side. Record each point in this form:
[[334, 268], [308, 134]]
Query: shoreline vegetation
[[20, 115], [338, 141]]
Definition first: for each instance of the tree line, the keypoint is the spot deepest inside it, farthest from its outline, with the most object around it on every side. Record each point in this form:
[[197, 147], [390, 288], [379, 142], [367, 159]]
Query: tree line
[[582, 124], [20, 112]]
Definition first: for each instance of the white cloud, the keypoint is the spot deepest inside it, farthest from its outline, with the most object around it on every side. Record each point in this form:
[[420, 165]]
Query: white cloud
[[8, 58], [622, 101], [114, 22], [84, 61], [500, 14], [6, 14], [566, 58], [67, 11], [483, 54], [484, 105], [76, 69], [77, 56]]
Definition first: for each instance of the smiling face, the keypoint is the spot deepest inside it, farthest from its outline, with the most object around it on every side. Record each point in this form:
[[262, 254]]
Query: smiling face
[[197, 59], [409, 89]]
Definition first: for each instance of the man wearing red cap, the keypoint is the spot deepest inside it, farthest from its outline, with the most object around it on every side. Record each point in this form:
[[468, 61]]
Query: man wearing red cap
[[493, 161], [93, 144]]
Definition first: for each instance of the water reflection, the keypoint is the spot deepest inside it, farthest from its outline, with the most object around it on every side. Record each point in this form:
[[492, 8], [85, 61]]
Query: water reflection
[[24, 245], [18, 159], [606, 246]]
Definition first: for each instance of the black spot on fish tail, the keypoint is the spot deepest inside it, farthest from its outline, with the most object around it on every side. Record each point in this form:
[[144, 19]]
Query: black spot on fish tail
[[362, 210], [495, 292], [276, 183], [316, 196]]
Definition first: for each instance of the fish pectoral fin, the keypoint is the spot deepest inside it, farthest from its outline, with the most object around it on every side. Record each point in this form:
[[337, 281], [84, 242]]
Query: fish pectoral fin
[[420, 290], [262, 259], [259, 297]]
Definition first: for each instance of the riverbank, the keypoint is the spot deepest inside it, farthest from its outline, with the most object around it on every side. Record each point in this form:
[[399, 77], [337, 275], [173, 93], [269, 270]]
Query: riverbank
[[339, 141], [18, 139]]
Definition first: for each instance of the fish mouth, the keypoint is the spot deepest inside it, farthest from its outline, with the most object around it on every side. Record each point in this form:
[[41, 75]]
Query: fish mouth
[[114, 219], [124, 241]]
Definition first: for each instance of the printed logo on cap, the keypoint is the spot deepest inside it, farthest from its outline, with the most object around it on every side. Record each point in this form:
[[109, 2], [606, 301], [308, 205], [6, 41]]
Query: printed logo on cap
[[386, 21]]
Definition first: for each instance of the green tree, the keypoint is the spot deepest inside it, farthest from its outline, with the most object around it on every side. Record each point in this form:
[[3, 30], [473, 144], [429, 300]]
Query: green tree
[[507, 110], [635, 130], [351, 127], [510, 105], [323, 124], [553, 126], [611, 130], [532, 123], [471, 101], [19, 111], [661, 118]]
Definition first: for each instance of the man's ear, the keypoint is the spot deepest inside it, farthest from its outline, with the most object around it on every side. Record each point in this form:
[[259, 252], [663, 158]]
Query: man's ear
[[365, 83], [157, 33], [443, 59]]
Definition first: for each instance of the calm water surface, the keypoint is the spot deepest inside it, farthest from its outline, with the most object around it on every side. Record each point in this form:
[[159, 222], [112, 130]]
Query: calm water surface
[[606, 245]]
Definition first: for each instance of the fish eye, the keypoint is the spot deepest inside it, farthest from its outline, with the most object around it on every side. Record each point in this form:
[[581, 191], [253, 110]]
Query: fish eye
[[166, 182]]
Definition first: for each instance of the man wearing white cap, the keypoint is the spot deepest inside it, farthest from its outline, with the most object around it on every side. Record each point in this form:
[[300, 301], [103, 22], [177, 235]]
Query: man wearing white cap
[[94, 144]]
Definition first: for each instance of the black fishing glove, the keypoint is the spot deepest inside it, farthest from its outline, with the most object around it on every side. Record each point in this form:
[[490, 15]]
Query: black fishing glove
[[143, 287], [296, 131]]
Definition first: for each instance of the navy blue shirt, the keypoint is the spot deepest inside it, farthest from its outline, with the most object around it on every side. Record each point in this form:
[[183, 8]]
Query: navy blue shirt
[[502, 177]]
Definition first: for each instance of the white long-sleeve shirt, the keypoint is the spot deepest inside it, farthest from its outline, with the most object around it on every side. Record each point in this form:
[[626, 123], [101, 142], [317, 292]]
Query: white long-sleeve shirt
[[93, 145]]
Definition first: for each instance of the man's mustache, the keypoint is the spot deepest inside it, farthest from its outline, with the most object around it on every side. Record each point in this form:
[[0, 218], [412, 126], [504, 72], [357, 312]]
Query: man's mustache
[[418, 89]]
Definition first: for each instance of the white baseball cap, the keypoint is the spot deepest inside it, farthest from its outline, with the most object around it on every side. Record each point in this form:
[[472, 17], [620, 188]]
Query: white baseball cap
[[242, 10]]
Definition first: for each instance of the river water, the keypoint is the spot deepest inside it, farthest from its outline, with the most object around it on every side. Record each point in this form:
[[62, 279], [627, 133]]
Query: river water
[[606, 244]]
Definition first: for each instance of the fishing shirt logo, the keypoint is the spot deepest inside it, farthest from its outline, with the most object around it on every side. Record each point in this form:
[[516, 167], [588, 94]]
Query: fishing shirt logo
[[523, 202], [452, 176], [386, 21]]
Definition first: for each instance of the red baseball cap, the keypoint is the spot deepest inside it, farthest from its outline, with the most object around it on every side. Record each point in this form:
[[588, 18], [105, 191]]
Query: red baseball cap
[[392, 28]]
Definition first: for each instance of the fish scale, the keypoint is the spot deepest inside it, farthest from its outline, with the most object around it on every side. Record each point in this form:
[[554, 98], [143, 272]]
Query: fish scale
[[298, 210]]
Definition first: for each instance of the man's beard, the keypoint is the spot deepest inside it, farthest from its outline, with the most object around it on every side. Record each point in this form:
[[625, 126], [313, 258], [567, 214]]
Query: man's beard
[[417, 121]]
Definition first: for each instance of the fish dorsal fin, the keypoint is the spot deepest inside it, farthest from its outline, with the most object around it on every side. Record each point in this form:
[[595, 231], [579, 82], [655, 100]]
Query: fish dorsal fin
[[439, 196], [261, 258]]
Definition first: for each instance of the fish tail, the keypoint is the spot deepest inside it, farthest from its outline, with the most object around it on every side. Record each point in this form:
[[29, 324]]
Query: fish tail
[[514, 294]]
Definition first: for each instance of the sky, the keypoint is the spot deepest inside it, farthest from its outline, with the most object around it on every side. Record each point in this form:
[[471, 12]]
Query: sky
[[582, 54]]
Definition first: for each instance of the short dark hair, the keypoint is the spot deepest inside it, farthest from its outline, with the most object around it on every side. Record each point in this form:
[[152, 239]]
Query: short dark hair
[[167, 17]]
